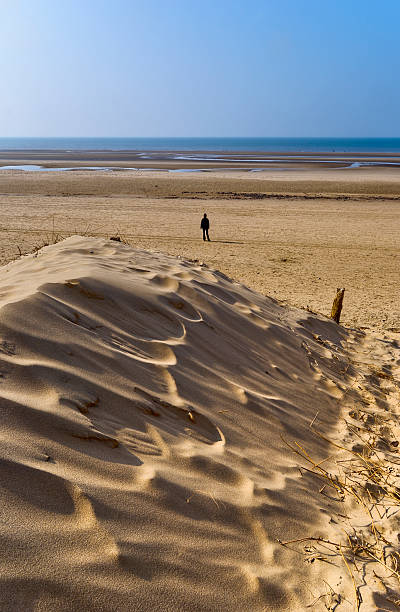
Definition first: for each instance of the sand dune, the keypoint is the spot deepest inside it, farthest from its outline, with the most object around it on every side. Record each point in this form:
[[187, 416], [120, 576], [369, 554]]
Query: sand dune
[[144, 404]]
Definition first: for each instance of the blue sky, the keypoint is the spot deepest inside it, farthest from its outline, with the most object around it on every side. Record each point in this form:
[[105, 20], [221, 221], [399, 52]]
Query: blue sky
[[199, 68]]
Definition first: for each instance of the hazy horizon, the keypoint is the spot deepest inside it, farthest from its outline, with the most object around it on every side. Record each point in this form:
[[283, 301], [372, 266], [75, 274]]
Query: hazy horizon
[[210, 136]]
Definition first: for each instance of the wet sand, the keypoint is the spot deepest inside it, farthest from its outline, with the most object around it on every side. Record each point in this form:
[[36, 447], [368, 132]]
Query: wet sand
[[188, 160]]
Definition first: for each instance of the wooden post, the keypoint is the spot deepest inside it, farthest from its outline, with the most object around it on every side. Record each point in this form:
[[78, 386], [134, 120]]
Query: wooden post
[[337, 305]]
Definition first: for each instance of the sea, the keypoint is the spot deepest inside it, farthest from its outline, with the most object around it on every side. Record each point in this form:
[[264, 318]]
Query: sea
[[259, 144]]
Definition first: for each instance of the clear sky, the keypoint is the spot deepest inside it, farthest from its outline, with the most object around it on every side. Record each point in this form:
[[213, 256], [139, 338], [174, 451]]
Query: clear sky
[[199, 68]]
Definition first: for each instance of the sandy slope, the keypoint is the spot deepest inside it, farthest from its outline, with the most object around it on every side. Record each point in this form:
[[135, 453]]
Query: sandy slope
[[143, 403]]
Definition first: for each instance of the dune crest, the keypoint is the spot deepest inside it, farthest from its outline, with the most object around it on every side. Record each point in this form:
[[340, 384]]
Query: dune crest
[[144, 404]]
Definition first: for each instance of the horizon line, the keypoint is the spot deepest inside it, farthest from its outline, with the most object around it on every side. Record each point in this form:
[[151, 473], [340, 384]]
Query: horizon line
[[220, 137]]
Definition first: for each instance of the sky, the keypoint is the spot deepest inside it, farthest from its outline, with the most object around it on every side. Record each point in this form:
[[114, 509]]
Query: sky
[[199, 68]]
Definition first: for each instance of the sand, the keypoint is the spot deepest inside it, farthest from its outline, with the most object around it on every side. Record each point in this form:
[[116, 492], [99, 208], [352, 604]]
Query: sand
[[158, 417], [143, 399], [296, 236], [145, 404]]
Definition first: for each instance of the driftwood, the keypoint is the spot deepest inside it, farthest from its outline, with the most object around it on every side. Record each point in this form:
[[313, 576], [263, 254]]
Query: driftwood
[[337, 305]]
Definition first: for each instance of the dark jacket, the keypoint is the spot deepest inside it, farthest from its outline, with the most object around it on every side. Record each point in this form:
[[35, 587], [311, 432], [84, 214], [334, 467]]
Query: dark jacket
[[205, 224]]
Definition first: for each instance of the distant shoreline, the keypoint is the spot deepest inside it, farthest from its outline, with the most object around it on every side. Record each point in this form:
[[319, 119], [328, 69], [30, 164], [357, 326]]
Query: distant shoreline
[[176, 160]]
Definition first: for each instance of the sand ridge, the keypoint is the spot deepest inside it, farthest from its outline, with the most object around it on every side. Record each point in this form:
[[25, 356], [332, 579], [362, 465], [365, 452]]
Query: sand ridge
[[146, 403], [144, 399]]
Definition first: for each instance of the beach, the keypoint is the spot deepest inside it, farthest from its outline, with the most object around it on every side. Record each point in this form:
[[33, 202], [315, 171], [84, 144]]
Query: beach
[[199, 307], [184, 428], [295, 235]]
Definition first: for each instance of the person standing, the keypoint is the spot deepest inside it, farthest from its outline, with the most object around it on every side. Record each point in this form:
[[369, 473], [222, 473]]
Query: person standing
[[205, 225]]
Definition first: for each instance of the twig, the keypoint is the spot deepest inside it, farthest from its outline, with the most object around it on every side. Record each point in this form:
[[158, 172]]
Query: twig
[[356, 591], [312, 422]]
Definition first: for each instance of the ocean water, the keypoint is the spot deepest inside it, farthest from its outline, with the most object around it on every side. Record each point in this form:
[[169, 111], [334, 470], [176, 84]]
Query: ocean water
[[264, 145]]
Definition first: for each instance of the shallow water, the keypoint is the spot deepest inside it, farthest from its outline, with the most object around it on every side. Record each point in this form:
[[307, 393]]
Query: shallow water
[[346, 165], [27, 167], [35, 168]]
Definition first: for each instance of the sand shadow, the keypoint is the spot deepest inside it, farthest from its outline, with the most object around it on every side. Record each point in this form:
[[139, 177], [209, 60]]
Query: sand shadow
[[227, 241]]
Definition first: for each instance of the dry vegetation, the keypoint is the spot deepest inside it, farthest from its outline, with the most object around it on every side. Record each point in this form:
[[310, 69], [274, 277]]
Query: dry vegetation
[[54, 236], [363, 474]]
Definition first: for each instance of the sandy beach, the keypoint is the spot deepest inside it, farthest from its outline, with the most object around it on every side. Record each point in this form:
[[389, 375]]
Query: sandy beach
[[295, 235], [199, 306], [183, 427]]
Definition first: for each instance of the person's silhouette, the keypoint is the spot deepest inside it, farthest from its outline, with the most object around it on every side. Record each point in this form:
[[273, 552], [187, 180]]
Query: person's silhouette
[[204, 225]]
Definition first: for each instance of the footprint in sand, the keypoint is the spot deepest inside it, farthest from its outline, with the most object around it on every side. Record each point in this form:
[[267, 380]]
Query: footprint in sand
[[146, 351], [183, 275], [166, 283], [182, 308]]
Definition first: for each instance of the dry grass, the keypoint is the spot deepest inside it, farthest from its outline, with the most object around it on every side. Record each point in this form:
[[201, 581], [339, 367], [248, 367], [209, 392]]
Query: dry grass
[[368, 476], [54, 236]]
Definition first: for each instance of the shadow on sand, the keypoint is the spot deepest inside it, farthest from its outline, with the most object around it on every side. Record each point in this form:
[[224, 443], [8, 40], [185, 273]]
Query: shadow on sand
[[228, 241]]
